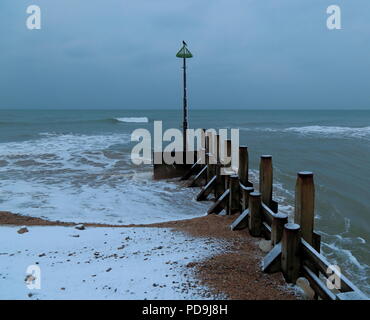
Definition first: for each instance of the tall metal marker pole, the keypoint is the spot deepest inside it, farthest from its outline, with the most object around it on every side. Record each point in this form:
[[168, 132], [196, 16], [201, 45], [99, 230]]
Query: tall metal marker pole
[[184, 53]]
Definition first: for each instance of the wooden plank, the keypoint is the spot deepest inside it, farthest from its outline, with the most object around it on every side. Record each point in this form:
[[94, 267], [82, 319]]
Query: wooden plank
[[266, 231], [220, 203], [206, 190], [272, 261], [351, 295], [244, 187], [195, 169], [267, 214], [244, 195], [317, 284], [323, 265], [240, 222], [196, 182], [211, 171]]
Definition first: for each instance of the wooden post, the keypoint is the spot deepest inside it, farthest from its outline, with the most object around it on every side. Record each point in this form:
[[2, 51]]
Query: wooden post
[[305, 204], [266, 179], [203, 140], [220, 182], [211, 171], [228, 149], [203, 143], [243, 165], [207, 142], [217, 146], [234, 200], [277, 227], [255, 214], [201, 151], [227, 186], [245, 197], [207, 165], [228, 153], [290, 259], [210, 146]]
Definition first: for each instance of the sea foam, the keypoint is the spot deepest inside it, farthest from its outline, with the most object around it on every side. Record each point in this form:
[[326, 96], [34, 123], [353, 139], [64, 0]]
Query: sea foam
[[322, 131], [332, 131], [133, 119], [84, 178]]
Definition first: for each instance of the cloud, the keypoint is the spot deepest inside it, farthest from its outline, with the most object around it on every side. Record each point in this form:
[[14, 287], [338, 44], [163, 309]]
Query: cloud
[[247, 54]]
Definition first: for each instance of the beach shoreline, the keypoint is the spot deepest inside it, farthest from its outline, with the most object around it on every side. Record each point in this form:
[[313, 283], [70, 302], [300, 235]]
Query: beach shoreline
[[234, 272]]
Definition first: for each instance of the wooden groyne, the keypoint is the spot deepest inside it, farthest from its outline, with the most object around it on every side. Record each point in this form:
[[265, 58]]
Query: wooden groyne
[[295, 245]]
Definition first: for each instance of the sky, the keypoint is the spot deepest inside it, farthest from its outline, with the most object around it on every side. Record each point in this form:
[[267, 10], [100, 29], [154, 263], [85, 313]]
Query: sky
[[248, 54]]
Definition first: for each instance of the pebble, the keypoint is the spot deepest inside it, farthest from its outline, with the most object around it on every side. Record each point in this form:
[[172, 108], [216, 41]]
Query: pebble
[[22, 230]]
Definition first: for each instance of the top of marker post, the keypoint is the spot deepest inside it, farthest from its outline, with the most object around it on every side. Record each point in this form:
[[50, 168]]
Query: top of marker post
[[184, 52]]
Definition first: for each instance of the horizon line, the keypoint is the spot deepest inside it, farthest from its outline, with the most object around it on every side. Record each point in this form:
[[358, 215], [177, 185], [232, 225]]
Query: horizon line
[[192, 109]]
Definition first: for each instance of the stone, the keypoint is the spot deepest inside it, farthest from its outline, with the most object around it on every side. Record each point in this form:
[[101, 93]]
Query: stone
[[80, 227], [304, 284], [22, 230], [265, 245]]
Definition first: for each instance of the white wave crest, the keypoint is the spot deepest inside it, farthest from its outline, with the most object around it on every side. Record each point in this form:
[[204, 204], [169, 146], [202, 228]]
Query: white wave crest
[[133, 119], [332, 131], [62, 144], [64, 152]]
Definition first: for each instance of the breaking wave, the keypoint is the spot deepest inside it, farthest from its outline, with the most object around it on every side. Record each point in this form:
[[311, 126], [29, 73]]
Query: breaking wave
[[323, 131], [133, 119], [332, 131]]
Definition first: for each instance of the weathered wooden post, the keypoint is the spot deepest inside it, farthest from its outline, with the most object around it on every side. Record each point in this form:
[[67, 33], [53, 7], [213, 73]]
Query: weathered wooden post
[[290, 255], [245, 197], [228, 149], [243, 165], [207, 142], [227, 166], [210, 156], [207, 165], [305, 204], [213, 148], [255, 214], [277, 227], [266, 179], [211, 171], [217, 148], [220, 182], [234, 199], [227, 186], [199, 151]]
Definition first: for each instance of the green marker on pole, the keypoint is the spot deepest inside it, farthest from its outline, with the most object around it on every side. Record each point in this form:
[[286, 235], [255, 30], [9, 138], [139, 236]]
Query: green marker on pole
[[184, 53]]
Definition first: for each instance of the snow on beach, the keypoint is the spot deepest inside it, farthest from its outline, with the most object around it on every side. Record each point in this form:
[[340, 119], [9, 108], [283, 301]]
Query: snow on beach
[[102, 263]]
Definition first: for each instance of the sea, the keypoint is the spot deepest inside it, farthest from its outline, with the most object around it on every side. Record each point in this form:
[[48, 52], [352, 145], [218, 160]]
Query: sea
[[75, 165]]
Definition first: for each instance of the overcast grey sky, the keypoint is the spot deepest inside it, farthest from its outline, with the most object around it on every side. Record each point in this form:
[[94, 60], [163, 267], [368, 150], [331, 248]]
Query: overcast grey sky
[[247, 54]]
